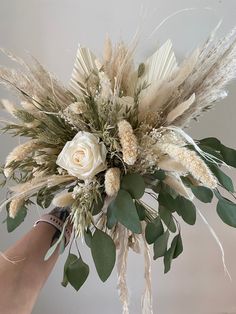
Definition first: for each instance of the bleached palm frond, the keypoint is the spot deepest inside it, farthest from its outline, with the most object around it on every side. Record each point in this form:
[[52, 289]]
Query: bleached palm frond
[[158, 99], [84, 65], [160, 65]]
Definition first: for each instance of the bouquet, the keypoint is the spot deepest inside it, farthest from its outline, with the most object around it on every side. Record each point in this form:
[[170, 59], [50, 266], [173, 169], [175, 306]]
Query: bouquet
[[115, 133]]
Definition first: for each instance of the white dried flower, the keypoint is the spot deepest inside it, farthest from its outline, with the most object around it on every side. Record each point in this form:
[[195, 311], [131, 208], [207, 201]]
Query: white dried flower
[[192, 162], [128, 142], [83, 156], [63, 199], [112, 181]]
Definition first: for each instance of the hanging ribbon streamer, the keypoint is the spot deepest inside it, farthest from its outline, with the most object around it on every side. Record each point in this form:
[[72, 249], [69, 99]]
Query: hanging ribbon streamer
[[146, 302], [122, 267]]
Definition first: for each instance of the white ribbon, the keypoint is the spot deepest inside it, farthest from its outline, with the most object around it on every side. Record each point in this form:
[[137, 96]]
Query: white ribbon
[[122, 268], [146, 301]]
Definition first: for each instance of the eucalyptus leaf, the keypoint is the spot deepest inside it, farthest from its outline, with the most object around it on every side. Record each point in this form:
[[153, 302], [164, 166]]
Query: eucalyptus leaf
[[104, 253], [160, 245], [159, 174], [167, 218], [167, 201], [77, 272], [153, 230], [169, 255], [88, 237], [227, 212], [203, 193], [228, 154], [111, 218], [140, 210], [13, 223], [53, 248], [186, 210], [62, 246], [222, 178], [70, 259], [97, 206], [134, 184], [211, 151], [124, 210], [179, 246]]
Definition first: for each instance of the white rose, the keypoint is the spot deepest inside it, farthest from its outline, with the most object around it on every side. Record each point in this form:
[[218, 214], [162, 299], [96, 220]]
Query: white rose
[[83, 157]]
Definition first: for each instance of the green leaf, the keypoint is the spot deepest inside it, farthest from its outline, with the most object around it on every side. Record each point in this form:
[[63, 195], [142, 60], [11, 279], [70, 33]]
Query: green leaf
[[111, 218], [228, 154], [134, 184], [222, 178], [169, 255], [104, 253], [211, 142], [167, 201], [160, 245], [125, 211], [169, 190], [53, 248], [13, 223], [153, 230], [186, 210], [159, 174], [203, 193], [88, 237], [166, 216], [140, 210], [77, 271], [97, 206], [211, 151], [227, 212], [70, 259], [62, 246], [178, 247]]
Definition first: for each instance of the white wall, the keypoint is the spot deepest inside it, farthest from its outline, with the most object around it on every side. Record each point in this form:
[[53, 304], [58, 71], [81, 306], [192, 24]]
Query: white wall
[[51, 30]]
